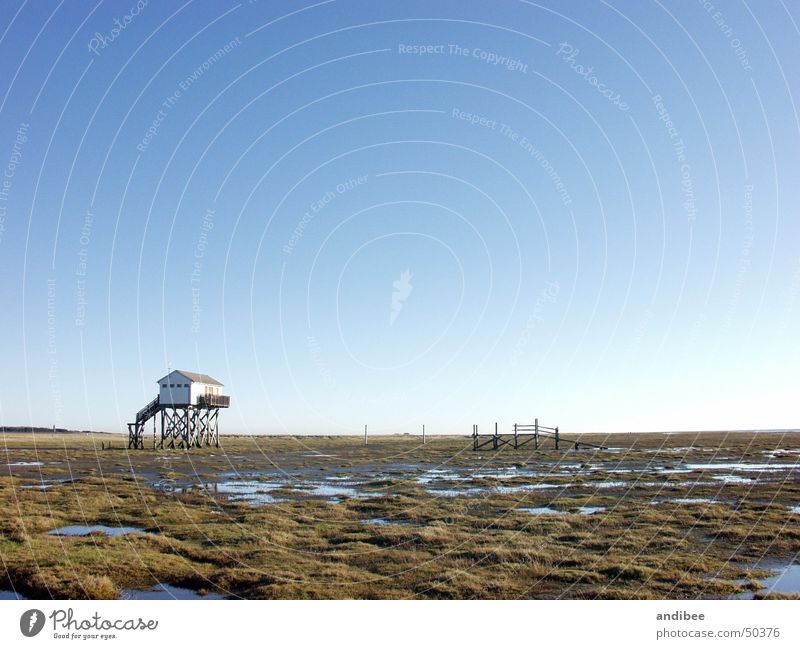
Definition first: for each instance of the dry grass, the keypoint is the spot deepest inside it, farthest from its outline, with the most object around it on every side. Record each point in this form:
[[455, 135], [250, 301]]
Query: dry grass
[[472, 546]]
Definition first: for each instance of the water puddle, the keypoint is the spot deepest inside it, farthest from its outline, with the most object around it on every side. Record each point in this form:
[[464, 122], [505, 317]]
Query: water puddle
[[606, 484], [85, 530], [524, 488], [245, 487], [689, 501], [684, 449], [257, 492], [9, 594], [47, 484], [795, 509], [549, 511], [435, 475], [165, 591], [785, 580], [542, 511], [732, 479], [672, 485], [328, 491], [512, 489], [452, 493], [746, 466], [382, 521]]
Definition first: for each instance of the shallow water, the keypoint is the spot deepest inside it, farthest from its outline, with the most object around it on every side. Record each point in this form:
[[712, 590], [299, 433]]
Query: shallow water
[[683, 449], [583, 511], [542, 511], [511, 489], [606, 484], [705, 501], [47, 484], [256, 492], [524, 488], [85, 530], [165, 591], [368, 481], [746, 466], [8, 595], [785, 580], [732, 479], [382, 521]]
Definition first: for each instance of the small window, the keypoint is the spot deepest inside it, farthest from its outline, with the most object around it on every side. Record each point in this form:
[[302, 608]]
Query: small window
[[163, 385]]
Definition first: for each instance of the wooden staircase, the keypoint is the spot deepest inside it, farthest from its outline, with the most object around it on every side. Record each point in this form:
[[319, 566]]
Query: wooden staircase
[[136, 429]]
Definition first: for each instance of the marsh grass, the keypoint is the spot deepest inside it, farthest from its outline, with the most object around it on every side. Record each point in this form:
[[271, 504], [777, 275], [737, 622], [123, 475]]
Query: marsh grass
[[643, 545]]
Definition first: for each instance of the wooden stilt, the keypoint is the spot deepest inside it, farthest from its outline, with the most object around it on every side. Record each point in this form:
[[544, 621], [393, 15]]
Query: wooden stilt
[[181, 426]]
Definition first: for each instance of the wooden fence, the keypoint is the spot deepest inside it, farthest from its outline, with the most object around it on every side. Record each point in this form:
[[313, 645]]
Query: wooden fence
[[525, 434]]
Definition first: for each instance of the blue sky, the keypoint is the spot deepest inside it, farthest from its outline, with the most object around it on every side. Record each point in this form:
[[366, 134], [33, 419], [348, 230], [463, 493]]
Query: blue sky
[[401, 213]]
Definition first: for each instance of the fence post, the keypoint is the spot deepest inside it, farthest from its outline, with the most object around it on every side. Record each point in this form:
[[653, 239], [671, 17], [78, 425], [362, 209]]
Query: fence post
[[365, 434], [536, 434], [474, 437], [516, 445], [556, 437], [494, 440], [423, 433]]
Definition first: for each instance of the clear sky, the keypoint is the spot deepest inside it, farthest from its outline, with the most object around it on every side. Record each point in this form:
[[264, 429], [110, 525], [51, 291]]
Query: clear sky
[[397, 213]]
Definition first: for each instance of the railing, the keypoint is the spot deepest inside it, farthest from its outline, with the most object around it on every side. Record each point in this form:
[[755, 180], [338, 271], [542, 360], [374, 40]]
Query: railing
[[524, 434], [145, 413], [214, 401]]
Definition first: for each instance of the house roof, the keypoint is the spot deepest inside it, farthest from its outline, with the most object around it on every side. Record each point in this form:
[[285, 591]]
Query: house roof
[[195, 377]]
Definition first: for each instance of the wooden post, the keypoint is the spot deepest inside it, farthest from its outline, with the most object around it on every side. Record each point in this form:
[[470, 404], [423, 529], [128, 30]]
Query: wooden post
[[423, 433], [365, 434], [536, 434], [494, 439], [556, 437], [516, 444], [474, 437]]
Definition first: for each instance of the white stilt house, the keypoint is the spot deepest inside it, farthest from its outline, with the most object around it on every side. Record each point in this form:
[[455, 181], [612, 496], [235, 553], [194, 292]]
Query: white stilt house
[[187, 406]]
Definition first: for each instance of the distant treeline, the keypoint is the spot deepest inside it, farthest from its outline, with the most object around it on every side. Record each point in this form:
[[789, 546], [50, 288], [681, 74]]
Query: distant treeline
[[42, 429]]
